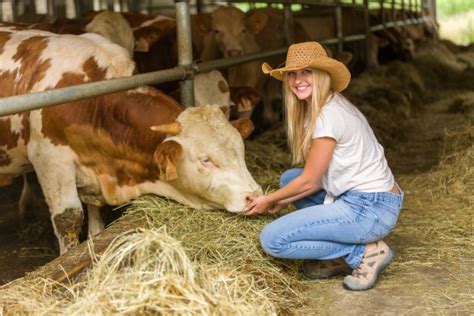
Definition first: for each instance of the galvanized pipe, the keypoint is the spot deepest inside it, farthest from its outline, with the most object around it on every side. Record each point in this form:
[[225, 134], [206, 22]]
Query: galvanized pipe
[[185, 50], [37, 100]]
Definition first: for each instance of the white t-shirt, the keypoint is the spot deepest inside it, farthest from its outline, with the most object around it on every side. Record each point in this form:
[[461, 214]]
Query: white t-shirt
[[358, 162]]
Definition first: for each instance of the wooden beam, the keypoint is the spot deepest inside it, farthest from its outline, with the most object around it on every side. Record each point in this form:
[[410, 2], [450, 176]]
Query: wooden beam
[[77, 259]]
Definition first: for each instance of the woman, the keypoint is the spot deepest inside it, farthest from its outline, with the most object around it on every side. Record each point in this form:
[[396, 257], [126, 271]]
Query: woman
[[346, 195]]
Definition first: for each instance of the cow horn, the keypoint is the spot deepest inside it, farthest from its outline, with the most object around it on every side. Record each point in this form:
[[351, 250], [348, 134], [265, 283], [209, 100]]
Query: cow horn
[[170, 128]]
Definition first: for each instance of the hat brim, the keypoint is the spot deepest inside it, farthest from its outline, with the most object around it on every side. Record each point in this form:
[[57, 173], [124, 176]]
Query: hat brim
[[340, 75]]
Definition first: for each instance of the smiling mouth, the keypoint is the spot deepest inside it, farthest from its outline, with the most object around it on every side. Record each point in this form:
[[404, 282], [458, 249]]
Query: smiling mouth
[[301, 88]]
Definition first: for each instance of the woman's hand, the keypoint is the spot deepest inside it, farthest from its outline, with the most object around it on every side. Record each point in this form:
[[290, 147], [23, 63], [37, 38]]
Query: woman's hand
[[262, 205]]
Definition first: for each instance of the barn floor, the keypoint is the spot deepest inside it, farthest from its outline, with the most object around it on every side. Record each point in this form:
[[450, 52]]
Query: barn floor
[[436, 282]]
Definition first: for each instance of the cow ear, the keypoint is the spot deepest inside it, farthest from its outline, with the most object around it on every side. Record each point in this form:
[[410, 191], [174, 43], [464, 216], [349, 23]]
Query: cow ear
[[244, 126], [141, 45], [145, 37], [168, 155], [203, 23], [256, 22]]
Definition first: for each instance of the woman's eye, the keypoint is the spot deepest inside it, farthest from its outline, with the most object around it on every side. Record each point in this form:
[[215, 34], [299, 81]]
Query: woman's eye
[[291, 73], [306, 71]]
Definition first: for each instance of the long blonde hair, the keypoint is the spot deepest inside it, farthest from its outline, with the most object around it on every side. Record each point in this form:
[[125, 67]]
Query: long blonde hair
[[298, 113]]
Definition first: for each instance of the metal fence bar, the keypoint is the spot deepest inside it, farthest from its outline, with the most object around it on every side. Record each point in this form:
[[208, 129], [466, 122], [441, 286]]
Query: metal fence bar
[[185, 50], [37, 100]]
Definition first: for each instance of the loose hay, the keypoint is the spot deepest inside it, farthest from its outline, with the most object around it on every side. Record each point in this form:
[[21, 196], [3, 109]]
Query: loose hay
[[146, 272]]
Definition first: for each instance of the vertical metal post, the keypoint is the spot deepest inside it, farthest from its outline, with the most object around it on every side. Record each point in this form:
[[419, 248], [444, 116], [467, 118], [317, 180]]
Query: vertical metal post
[[14, 10], [394, 14], [382, 14], [403, 13], [199, 6], [368, 33], [289, 29], [59, 8], [185, 50], [79, 8], [338, 13], [133, 5]]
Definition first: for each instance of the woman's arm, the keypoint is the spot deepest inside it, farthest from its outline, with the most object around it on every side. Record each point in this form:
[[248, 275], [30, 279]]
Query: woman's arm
[[320, 154]]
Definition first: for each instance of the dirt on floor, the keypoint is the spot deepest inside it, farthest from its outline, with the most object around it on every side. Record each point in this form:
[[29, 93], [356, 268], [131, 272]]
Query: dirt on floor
[[410, 116]]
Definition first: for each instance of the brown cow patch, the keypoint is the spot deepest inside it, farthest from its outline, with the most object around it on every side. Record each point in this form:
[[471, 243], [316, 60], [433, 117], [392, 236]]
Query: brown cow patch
[[4, 37], [92, 70], [97, 151], [8, 84], [31, 75], [5, 159], [8, 138]]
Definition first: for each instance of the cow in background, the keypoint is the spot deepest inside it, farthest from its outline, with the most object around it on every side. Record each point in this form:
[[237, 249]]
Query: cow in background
[[227, 32], [103, 148], [400, 42], [110, 25]]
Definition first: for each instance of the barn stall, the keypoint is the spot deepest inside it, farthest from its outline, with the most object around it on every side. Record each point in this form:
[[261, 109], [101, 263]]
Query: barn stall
[[162, 257]]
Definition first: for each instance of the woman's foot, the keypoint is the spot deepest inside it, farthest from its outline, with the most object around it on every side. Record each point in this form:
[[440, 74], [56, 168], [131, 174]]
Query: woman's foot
[[373, 263], [323, 269]]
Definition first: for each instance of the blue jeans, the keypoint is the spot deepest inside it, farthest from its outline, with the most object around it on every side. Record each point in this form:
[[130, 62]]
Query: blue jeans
[[327, 231]]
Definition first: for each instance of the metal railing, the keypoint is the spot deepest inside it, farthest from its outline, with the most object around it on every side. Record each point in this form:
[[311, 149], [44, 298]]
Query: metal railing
[[186, 68]]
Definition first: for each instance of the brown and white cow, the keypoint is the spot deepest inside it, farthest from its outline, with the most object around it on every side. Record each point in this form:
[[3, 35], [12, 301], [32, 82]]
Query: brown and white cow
[[103, 147], [111, 25]]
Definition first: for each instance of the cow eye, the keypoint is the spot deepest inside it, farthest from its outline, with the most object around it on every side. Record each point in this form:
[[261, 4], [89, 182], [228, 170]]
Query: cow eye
[[244, 31], [206, 162], [216, 31]]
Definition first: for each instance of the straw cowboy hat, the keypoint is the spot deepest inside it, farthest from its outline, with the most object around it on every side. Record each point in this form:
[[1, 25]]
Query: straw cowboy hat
[[312, 55]]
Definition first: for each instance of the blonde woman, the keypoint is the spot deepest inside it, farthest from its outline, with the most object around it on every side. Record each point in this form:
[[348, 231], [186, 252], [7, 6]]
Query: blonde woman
[[346, 195]]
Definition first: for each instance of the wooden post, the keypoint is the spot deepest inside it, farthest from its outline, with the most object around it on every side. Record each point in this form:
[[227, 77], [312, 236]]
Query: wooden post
[[289, 29], [340, 36]]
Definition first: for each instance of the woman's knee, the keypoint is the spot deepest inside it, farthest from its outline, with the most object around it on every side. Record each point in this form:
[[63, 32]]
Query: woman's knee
[[289, 175], [271, 241]]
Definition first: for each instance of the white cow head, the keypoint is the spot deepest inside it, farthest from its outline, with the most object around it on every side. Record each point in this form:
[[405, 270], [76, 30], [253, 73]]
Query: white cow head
[[204, 159]]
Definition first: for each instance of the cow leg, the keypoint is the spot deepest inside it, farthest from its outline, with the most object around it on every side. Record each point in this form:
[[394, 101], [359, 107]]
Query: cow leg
[[26, 199], [57, 178], [95, 222]]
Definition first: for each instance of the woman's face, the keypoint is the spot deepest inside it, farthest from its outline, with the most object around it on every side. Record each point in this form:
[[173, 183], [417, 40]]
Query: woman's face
[[301, 83]]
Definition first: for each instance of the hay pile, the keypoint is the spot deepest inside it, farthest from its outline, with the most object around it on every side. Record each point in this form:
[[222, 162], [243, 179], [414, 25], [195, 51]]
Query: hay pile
[[144, 272]]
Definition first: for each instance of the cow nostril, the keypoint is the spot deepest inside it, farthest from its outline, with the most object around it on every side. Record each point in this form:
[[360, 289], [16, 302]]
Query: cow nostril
[[251, 196]]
